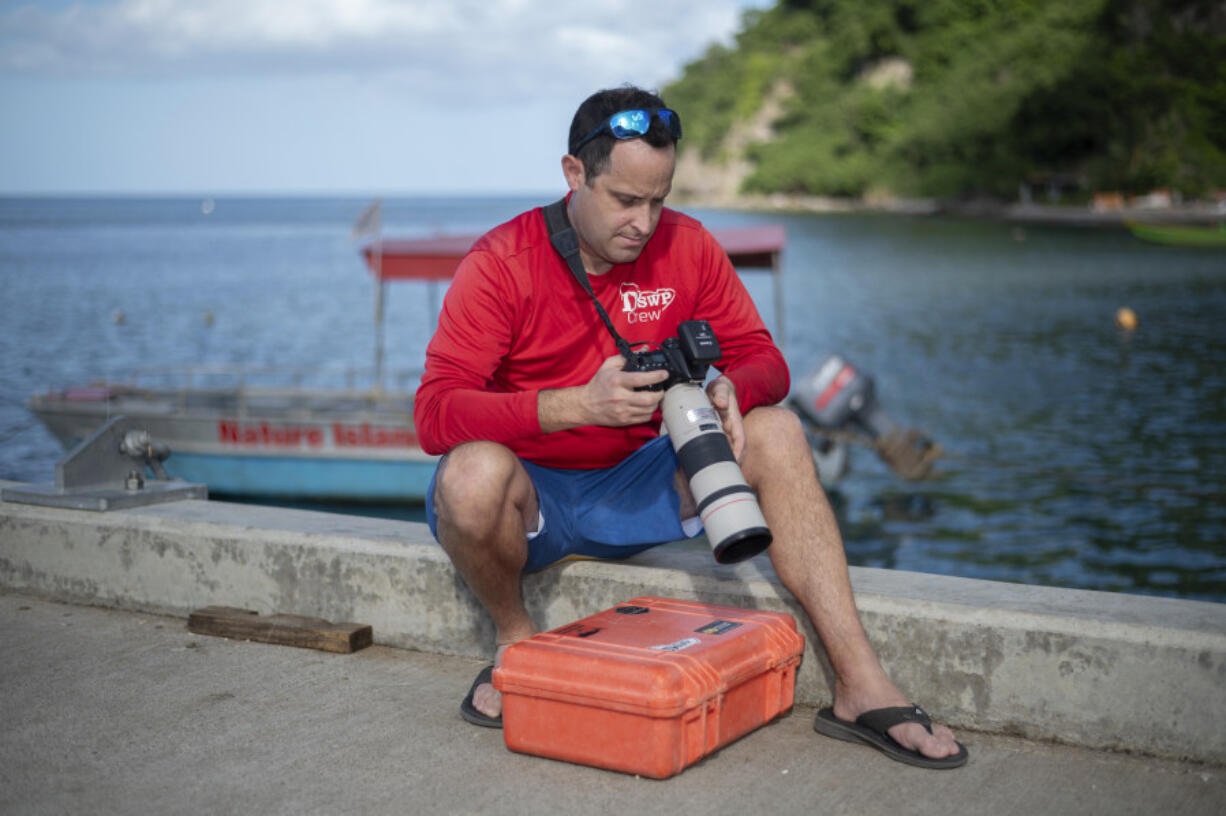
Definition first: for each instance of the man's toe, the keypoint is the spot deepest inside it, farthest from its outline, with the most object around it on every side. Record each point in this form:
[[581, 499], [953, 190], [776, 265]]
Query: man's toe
[[937, 745], [487, 700], [946, 737]]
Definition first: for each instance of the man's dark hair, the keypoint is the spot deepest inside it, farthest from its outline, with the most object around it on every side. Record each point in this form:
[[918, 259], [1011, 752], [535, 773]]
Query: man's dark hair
[[598, 108]]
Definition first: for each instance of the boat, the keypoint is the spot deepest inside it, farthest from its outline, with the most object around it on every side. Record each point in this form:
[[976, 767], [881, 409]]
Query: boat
[[1186, 235], [309, 435], [245, 435]]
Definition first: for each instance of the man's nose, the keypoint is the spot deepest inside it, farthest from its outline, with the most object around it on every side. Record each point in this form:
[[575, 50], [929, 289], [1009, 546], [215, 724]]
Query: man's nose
[[642, 218]]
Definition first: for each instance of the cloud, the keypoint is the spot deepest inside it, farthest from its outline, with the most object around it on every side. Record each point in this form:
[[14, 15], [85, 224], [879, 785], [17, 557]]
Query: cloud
[[517, 48]]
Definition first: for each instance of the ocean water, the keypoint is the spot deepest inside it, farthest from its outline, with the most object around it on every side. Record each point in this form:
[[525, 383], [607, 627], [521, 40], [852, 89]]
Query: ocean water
[[1076, 454]]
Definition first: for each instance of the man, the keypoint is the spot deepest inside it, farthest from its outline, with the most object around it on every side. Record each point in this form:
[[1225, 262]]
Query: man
[[551, 450]]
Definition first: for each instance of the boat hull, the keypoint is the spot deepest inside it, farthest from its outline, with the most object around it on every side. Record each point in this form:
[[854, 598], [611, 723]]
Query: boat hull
[[298, 477], [299, 449], [1181, 234]]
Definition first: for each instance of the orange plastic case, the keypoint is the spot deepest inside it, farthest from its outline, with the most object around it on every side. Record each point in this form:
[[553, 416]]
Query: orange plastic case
[[650, 686]]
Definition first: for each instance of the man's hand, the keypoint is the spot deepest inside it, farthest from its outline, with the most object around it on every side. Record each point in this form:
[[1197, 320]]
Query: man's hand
[[722, 394], [608, 399]]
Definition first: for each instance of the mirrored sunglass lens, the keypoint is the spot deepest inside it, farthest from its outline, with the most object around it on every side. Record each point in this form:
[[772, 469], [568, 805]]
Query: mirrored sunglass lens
[[630, 123], [669, 118]]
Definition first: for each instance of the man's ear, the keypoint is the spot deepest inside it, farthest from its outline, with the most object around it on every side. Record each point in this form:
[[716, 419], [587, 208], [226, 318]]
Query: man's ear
[[572, 169]]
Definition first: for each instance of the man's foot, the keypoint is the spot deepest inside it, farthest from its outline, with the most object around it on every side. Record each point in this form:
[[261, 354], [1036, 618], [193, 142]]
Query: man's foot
[[850, 704], [469, 712], [486, 699], [872, 729]]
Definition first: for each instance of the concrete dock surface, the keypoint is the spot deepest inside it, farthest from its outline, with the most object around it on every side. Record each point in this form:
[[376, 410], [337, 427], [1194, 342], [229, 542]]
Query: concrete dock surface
[[108, 711], [1099, 670]]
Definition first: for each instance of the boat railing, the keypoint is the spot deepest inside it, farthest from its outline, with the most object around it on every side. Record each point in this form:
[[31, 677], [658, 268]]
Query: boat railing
[[243, 384]]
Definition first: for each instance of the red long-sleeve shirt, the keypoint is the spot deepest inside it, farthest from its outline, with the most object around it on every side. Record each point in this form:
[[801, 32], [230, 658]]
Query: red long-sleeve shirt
[[515, 322]]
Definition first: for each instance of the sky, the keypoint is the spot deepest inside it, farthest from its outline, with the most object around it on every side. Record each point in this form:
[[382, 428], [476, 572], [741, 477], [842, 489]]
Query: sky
[[362, 97]]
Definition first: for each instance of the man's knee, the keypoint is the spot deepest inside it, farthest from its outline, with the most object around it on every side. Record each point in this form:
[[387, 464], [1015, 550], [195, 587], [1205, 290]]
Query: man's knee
[[483, 499], [774, 431], [775, 443], [476, 478]]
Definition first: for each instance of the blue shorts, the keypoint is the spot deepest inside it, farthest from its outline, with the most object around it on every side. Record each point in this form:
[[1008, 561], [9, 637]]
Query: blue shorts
[[610, 512]]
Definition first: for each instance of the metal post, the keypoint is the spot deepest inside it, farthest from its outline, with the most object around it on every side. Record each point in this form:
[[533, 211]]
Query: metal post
[[371, 221], [777, 279], [379, 287], [377, 259]]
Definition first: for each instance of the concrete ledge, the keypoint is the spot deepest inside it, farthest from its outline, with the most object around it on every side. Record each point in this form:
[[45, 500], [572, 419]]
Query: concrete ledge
[[1088, 668]]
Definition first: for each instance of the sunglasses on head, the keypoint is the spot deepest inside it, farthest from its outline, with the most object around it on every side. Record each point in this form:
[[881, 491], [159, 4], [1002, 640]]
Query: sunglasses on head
[[630, 124]]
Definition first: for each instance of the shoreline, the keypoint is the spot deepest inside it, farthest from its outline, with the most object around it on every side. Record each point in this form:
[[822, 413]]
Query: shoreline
[[1071, 215]]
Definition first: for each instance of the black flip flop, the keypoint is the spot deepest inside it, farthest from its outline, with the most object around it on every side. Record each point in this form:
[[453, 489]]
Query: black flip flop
[[470, 712], [871, 728]]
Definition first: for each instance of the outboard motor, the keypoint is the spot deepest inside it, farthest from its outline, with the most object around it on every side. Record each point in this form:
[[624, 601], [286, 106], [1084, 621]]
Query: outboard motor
[[837, 401]]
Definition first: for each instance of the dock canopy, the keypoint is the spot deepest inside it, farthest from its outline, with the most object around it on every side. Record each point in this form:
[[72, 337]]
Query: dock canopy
[[437, 258]]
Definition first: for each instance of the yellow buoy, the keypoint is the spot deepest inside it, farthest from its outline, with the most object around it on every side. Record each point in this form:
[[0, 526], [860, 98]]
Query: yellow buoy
[[1126, 318]]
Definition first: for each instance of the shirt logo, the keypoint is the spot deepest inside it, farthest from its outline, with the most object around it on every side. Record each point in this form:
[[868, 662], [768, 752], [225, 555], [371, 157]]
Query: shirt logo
[[641, 306]]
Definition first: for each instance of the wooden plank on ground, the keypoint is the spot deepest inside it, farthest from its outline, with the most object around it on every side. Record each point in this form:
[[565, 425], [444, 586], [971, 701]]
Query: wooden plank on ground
[[285, 630]]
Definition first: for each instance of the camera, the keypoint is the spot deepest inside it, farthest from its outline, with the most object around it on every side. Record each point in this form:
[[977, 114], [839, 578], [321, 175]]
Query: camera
[[727, 506], [686, 357]]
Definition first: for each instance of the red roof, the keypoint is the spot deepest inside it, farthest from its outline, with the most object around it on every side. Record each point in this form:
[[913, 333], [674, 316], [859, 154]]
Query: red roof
[[436, 258]]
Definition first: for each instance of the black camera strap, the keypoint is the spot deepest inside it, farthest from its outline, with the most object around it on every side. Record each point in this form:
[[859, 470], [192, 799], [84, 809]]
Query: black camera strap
[[562, 236]]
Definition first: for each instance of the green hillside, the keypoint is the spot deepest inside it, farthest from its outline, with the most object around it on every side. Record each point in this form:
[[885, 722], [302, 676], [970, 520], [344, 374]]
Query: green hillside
[[958, 98]]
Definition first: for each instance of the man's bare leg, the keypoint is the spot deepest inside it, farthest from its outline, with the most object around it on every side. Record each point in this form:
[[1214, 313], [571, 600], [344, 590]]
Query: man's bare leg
[[808, 556], [486, 505]]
